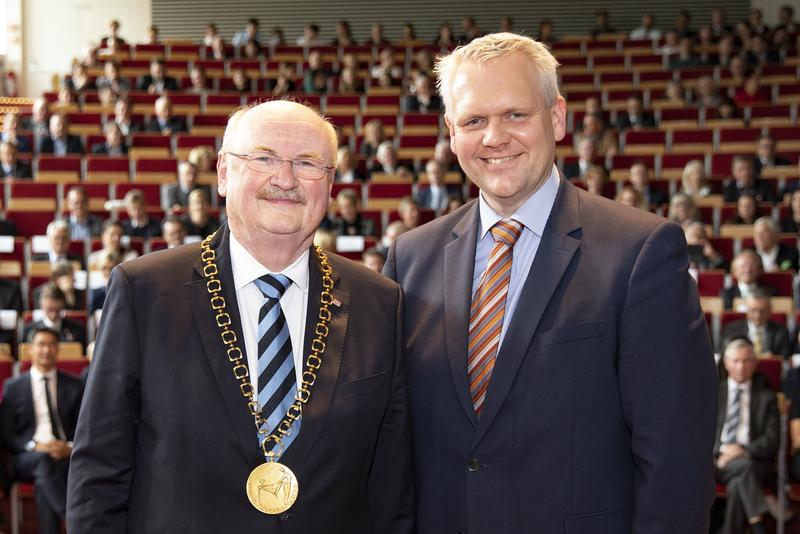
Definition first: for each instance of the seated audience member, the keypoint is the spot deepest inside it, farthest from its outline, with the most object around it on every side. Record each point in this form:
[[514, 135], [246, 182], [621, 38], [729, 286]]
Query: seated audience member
[[152, 35], [58, 240], [682, 209], [310, 36], [748, 433], [769, 339], [707, 257], [605, 140], [252, 49], [111, 79], [386, 162], [595, 178], [791, 224], [157, 82], [386, 65], [173, 231], [162, 120], [82, 224], [39, 121], [422, 65], [80, 81], [62, 274], [445, 37], [198, 219], [251, 31], [646, 30], [727, 109], [347, 167], [775, 256], [326, 239], [219, 50], [423, 99], [66, 100], [349, 82], [408, 209], [114, 145], [344, 36], [176, 195], [694, 181], [203, 157], [10, 163], [315, 76], [744, 181], [640, 180], [111, 239], [747, 211], [349, 220], [10, 299], [392, 231], [674, 94], [40, 412], [706, 93], [437, 194], [470, 30], [686, 58], [241, 83], [373, 137], [376, 36], [746, 268], [628, 196], [586, 152], [124, 119], [682, 24], [59, 142], [139, 223], [52, 302], [198, 81], [113, 33], [11, 122], [285, 82], [444, 155], [765, 155], [635, 117], [752, 92], [373, 259]]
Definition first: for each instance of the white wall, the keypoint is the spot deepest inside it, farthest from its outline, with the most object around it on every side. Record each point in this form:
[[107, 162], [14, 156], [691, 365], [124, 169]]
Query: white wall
[[56, 31]]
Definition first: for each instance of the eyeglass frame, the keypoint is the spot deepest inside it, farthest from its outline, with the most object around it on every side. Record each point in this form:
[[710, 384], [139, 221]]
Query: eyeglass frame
[[247, 158]]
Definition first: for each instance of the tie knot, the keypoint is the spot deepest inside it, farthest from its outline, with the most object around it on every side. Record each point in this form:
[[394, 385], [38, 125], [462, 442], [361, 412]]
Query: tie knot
[[273, 285], [507, 231]]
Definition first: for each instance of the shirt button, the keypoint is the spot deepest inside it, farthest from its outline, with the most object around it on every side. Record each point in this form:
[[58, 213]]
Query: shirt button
[[284, 517], [473, 465]]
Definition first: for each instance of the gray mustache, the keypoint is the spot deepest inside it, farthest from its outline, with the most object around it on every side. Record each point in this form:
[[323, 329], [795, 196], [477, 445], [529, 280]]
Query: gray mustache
[[276, 193]]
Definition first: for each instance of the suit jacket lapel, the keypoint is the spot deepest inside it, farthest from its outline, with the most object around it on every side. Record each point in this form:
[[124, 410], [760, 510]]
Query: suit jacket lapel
[[555, 252], [459, 264], [216, 351]]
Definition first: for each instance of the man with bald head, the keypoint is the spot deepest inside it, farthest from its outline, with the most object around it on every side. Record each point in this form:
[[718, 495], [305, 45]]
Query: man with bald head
[[238, 384]]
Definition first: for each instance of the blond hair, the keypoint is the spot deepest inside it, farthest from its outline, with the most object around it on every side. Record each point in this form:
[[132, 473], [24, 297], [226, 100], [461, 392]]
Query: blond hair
[[498, 45]]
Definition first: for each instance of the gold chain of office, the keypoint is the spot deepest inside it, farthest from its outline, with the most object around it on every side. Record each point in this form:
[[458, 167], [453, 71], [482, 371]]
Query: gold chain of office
[[235, 355]]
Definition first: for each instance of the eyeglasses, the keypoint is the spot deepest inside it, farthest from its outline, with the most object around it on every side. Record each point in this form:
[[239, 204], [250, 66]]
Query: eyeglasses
[[266, 163]]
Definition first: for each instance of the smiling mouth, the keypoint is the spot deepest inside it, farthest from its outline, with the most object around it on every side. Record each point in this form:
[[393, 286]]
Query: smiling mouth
[[498, 161]]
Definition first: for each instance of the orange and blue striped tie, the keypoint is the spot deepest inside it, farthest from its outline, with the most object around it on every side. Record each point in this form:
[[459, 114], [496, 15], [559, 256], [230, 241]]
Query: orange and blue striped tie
[[488, 309]]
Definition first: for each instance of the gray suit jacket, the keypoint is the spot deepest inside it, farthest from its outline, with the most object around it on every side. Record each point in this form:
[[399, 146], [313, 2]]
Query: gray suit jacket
[[600, 412]]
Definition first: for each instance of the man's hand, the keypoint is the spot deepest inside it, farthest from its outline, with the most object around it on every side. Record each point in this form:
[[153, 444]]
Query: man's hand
[[56, 449], [729, 453]]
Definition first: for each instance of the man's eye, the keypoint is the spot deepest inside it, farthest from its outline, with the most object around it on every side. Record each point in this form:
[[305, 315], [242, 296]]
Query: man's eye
[[265, 160], [304, 164], [472, 122]]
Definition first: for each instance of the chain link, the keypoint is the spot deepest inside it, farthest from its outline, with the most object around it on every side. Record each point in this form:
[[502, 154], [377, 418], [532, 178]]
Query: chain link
[[240, 371]]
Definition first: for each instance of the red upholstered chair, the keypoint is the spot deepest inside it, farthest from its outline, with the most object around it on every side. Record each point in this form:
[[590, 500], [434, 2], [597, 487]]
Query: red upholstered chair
[[151, 192], [724, 246], [389, 122], [420, 123], [416, 146], [677, 117], [608, 63], [204, 124], [382, 104], [772, 369], [58, 168], [650, 78], [386, 196], [788, 93], [30, 223], [710, 283], [647, 63], [672, 164], [343, 105], [186, 142], [582, 81], [222, 103], [645, 141], [107, 169], [84, 123], [184, 51], [692, 140], [212, 67], [738, 140], [149, 51]]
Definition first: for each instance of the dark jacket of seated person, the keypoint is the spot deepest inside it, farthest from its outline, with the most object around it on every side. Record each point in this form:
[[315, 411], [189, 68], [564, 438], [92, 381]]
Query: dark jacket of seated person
[[72, 144]]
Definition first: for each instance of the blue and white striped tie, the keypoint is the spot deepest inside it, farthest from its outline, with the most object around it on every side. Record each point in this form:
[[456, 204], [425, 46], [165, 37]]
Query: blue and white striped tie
[[277, 385], [732, 418]]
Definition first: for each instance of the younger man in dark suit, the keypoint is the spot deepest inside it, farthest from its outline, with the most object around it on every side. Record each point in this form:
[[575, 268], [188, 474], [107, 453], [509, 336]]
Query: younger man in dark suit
[[52, 303], [40, 411], [157, 81], [162, 120]]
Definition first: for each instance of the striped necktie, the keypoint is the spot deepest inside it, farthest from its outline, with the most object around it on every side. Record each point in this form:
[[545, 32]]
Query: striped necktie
[[277, 385], [732, 418], [488, 309]]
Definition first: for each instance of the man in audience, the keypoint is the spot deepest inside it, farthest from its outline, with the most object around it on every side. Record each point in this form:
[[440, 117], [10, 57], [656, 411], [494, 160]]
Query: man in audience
[[423, 99], [58, 240], [647, 29], [392, 232], [444, 155], [743, 180], [635, 117], [748, 432], [350, 221], [176, 195], [38, 122], [52, 302], [10, 163], [605, 140], [40, 411], [386, 161], [82, 224], [745, 269], [114, 144], [162, 120], [198, 220], [347, 167], [60, 142], [775, 256], [586, 155], [173, 231], [11, 123], [112, 80], [373, 259], [640, 180], [769, 339], [437, 194], [139, 223], [707, 93], [157, 82], [250, 32], [601, 24], [765, 155], [124, 119]]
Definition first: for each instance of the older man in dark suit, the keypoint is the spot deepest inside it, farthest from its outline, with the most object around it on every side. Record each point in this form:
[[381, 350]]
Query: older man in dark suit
[[541, 399], [40, 411], [10, 164], [269, 373], [769, 339], [60, 142]]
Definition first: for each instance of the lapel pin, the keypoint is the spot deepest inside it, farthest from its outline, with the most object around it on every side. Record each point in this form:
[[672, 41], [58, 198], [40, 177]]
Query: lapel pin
[[336, 303]]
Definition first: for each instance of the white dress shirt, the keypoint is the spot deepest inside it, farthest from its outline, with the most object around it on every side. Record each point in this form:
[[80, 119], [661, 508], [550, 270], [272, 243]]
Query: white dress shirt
[[743, 432], [294, 301], [769, 259], [44, 430]]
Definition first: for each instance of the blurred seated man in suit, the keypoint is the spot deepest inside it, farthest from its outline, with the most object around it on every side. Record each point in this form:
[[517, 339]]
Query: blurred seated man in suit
[[82, 224], [58, 239], [408, 209], [775, 256], [173, 231], [586, 152], [38, 122], [635, 117], [176, 195], [162, 120], [765, 155], [40, 411], [10, 164], [423, 99], [743, 180], [157, 81], [11, 133], [350, 221], [124, 119], [769, 339], [52, 303], [60, 142], [10, 299], [199, 220], [747, 439], [139, 223], [640, 180], [347, 167], [745, 269], [436, 196], [386, 162], [114, 145]]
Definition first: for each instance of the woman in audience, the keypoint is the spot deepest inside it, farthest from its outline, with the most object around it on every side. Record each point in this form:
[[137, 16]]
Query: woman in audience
[[97, 296], [349, 83], [708, 258], [241, 83], [747, 210], [682, 209], [444, 38], [629, 196], [286, 81], [203, 158], [197, 76], [694, 181], [62, 274], [752, 92], [791, 223], [252, 49], [111, 239], [218, 49], [80, 81], [373, 137], [198, 219], [595, 178]]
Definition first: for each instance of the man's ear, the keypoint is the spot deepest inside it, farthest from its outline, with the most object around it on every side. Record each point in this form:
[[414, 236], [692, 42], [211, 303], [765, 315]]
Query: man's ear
[[558, 114], [222, 174], [452, 130]]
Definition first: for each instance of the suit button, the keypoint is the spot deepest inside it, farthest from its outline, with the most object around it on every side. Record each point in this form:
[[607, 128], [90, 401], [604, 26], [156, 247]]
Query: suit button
[[473, 465], [283, 517]]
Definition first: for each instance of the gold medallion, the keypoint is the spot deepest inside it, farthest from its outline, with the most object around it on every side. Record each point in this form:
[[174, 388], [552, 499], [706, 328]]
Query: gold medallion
[[272, 488]]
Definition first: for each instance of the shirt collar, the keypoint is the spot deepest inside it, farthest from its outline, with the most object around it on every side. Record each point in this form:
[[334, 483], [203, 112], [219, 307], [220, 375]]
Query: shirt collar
[[533, 213], [733, 386], [37, 375], [246, 268]]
